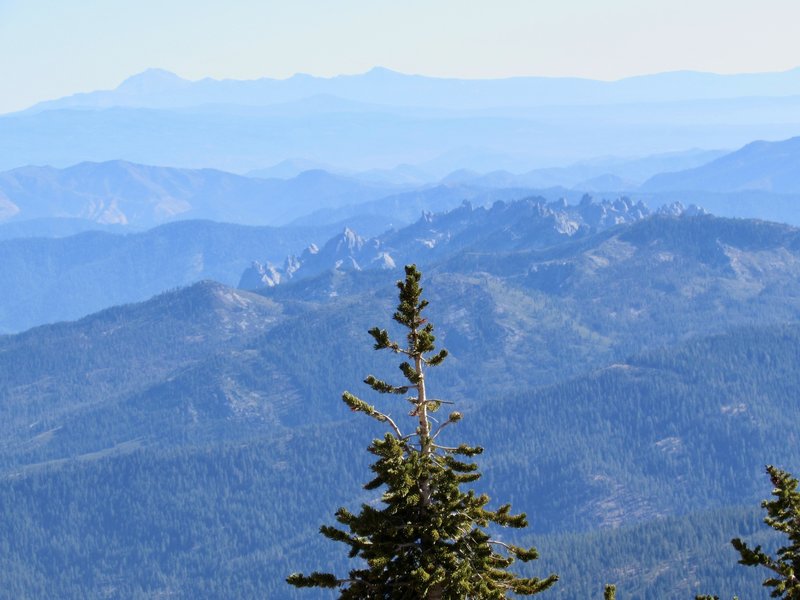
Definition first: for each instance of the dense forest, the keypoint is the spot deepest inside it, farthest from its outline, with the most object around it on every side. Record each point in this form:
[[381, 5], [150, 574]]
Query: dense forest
[[625, 386], [235, 521], [622, 482]]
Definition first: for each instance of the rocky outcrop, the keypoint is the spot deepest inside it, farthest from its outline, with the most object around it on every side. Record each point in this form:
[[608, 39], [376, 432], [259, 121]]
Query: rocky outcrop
[[530, 223]]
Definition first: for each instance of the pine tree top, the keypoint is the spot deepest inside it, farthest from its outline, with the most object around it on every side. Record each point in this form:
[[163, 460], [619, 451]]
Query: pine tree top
[[428, 538]]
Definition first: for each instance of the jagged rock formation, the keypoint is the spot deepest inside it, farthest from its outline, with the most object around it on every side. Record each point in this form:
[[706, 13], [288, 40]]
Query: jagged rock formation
[[530, 223], [677, 209]]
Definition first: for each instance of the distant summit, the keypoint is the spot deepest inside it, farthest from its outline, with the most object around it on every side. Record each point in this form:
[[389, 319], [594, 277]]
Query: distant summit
[[152, 81], [371, 122], [383, 72]]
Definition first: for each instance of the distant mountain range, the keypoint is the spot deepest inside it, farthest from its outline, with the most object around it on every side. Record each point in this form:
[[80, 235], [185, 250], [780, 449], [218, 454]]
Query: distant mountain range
[[127, 194], [123, 193], [530, 223], [758, 180], [157, 88], [56, 279], [44, 201], [379, 120], [600, 175]]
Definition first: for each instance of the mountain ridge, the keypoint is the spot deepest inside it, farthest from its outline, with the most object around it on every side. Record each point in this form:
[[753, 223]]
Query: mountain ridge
[[757, 166], [48, 279], [127, 193], [527, 90], [243, 139], [530, 223]]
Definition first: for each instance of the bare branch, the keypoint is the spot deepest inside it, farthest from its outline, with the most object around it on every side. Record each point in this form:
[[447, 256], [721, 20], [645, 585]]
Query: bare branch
[[391, 422], [445, 448], [502, 544], [439, 429]]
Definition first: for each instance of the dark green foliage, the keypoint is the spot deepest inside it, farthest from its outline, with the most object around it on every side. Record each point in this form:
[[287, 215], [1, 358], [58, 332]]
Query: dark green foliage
[[783, 515], [610, 592], [429, 539]]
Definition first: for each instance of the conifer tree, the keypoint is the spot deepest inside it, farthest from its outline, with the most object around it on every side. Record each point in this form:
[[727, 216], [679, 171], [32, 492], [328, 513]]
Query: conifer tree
[[428, 539], [783, 514]]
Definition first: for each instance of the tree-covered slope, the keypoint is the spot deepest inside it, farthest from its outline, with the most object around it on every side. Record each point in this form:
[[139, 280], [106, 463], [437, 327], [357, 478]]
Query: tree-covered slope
[[644, 380], [661, 433], [46, 280], [628, 474], [546, 315]]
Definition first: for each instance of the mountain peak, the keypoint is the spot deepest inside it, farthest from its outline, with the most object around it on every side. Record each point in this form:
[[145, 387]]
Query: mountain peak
[[382, 72], [152, 80]]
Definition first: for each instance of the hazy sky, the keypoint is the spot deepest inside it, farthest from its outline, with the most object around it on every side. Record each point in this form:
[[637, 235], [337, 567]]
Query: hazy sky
[[52, 48]]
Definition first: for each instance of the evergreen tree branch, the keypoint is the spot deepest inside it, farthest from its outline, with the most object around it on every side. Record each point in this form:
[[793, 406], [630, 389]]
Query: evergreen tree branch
[[383, 387], [783, 514], [359, 405], [316, 579]]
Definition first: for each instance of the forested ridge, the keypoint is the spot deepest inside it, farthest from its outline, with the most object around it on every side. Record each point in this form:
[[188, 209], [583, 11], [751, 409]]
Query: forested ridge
[[234, 518], [626, 387]]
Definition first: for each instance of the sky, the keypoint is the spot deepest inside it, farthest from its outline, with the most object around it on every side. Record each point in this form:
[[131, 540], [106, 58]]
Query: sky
[[53, 48]]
